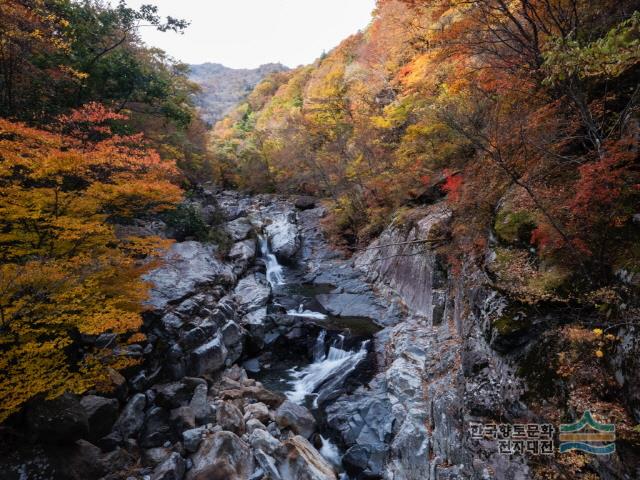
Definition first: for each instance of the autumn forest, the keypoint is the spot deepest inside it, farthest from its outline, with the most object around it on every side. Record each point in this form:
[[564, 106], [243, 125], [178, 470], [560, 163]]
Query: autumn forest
[[521, 118]]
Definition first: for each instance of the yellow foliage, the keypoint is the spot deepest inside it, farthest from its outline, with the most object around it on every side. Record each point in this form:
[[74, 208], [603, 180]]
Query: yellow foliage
[[63, 270]]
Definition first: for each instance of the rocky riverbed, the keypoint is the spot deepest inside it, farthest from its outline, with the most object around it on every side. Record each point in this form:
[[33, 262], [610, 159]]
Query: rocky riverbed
[[283, 360]]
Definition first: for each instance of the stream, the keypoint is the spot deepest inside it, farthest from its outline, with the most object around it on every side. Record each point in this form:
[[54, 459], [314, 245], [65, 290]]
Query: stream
[[324, 360]]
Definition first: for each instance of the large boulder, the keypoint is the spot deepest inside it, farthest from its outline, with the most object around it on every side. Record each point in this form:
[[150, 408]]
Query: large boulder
[[283, 236], [156, 429], [209, 357], [172, 468], [202, 409], [304, 462], [187, 267], [229, 417], [62, 419], [351, 305], [132, 416], [239, 229], [176, 394], [295, 417], [243, 252], [102, 413], [252, 292], [223, 456]]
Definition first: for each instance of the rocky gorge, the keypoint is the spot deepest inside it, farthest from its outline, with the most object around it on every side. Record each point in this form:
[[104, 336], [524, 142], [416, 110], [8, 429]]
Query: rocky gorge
[[280, 359]]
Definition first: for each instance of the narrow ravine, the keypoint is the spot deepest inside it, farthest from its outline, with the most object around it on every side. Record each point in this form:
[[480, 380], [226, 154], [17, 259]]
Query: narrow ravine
[[318, 376]]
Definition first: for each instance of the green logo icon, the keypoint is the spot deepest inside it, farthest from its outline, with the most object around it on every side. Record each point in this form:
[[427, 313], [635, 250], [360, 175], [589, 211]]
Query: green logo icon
[[589, 436]]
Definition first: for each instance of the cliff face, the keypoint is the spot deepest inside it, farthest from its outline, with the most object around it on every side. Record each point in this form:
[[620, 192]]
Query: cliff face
[[223, 87], [460, 356]]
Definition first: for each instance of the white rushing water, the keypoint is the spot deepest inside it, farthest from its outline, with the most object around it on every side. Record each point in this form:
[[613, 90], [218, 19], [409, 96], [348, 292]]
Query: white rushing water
[[332, 365], [330, 452], [275, 275], [301, 312]]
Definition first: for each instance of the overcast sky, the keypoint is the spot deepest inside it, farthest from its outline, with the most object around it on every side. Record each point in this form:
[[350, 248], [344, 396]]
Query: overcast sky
[[249, 33]]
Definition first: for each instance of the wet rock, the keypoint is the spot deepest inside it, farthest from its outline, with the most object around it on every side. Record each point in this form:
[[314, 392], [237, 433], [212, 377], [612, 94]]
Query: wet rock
[[156, 429], [283, 236], [295, 417], [258, 411], [132, 416], [223, 456], [176, 394], [62, 419], [351, 305], [255, 394], [153, 457], [173, 468], [230, 418], [191, 439], [256, 324], [198, 335], [267, 464], [254, 424], [304, 462], [262, 440], [252, 292], [187, 267], [208, 358], [102, 413], [171, 322], [239, 229], [200, 406], [231, 334]]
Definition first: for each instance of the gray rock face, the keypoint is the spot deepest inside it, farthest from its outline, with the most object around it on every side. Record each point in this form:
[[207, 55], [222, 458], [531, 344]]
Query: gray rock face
[[132, 416], [62, 419], [243, 252], [296, 417], [239, 229], [223, 456], [252, 293], [351, 305], [365, 422], [187, 267], [209, 357], [172, 468], [304, 462], [283, 235], [102, 413]]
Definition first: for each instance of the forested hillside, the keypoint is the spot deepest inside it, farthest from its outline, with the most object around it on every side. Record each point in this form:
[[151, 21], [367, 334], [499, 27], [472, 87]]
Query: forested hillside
[[222, 88], [523, 114], [519, 118], [97, 132]]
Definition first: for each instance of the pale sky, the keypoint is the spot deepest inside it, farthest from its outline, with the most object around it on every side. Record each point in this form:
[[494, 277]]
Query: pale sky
[[249, 33]]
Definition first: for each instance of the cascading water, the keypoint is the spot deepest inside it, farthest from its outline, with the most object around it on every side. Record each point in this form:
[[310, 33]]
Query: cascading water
[[301, 312], [327, 371], [275, 275]]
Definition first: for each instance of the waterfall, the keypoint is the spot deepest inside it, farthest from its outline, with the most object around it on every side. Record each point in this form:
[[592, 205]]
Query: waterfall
[[275, 274], [326, 375]]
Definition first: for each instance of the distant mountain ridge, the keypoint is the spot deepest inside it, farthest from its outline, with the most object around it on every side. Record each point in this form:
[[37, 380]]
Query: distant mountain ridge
[[224, 87]]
